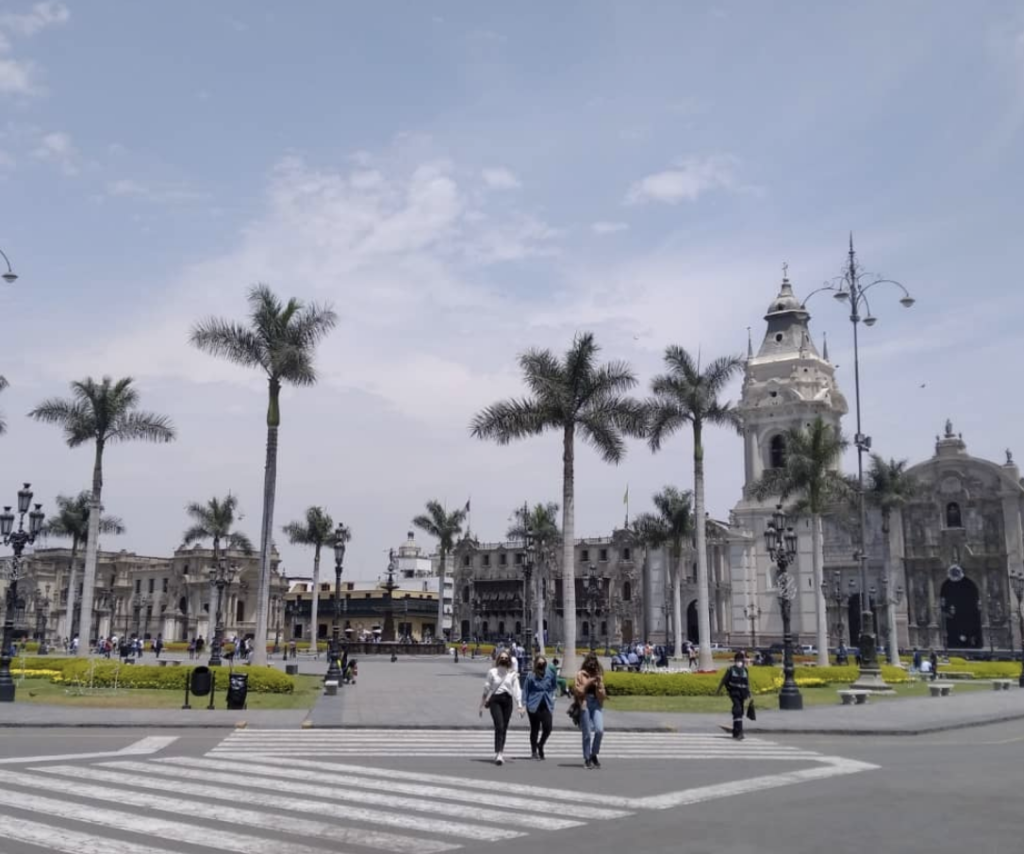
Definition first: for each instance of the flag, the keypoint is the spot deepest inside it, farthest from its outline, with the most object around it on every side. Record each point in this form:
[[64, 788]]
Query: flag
[[467, 506], [625, 498]]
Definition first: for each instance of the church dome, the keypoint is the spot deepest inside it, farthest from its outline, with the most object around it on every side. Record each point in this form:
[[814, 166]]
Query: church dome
[[785, 301]]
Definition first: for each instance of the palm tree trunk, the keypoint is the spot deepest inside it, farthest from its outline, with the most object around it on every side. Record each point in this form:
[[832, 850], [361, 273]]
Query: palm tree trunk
[[69, 621], [568, 554], [821, 608], [893, 647], [259, 656], [705, 661], [314, 634], [440, 594], [677, 607], [91, 553], [211, 628], [538, 607]]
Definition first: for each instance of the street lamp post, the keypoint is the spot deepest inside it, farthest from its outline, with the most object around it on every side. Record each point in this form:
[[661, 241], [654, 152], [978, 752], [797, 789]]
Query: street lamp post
[[752, 613], [333, 668], [893, 599], [665, 608], [42, 618], [388, 634], [592, 593], [477, 608], [1017, 580], [10, 276], [17, 540], [839, 599], [780, 538], [528, 540], [223, 576]]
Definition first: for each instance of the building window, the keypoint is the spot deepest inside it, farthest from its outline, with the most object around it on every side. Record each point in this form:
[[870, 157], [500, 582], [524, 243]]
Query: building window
[[627, 553], [585, 555], [487, 560], [586, 629], [519, 558], [953, 517], [167, 582], [503, 559], [465, 560], [240, 612], [138, 585], [777, 452], [465, 594], [627, 591], [152, 585], [604, 628], [604, 555]]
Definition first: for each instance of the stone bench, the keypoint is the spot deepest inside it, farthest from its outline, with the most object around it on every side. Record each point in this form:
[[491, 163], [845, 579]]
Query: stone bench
[[850, 697], [940, 689], [1001, 684], [331, 688], [956, 674], [173, 662]]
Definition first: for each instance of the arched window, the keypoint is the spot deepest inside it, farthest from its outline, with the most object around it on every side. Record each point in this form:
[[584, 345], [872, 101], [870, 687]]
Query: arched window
[[465, 594], [953, 517], [777, 452], [627, 591], [586, 629]]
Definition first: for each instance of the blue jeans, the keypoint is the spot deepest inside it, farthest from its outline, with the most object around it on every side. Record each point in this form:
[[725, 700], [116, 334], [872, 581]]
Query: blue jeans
[[592, 725]]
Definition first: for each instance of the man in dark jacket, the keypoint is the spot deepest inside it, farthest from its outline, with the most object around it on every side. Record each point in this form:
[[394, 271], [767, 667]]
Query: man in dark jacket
[[737, 684]]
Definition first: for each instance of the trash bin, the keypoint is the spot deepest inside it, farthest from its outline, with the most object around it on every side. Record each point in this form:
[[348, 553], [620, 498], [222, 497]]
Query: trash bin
[[202, 681], [291, 669], [238, 690]]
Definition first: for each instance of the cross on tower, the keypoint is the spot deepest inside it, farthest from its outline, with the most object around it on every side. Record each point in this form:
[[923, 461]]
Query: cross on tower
[[785, 270]]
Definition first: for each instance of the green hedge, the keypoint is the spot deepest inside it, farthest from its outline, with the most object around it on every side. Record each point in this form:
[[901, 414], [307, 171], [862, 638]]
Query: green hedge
[[984, 669], [261, 680]]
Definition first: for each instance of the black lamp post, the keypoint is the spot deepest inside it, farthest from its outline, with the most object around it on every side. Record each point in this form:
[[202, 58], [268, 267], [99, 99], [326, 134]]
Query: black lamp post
[[223, 576], [1017, 580], [780, 538], [42, 617], [388, 633], [593, 591], [10, 276], [333, 667], [477, 608], [17, 540], [838, 598], [893, 598], [528, 540], [752, 613]]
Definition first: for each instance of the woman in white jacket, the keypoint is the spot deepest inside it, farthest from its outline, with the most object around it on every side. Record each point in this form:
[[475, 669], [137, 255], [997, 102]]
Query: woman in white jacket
[[501, 690]]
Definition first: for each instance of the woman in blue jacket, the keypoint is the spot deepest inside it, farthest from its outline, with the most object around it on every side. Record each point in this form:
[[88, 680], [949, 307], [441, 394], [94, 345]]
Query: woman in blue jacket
[[539, 698]]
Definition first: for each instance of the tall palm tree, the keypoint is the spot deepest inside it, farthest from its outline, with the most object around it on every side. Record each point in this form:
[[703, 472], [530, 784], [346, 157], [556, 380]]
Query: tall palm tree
[[445, 527], [541, 522], [71, 522], [103, 413], [890, 486], [811, 473], [671, 527], [573, 395], [280, 340], [3, 421], [687, 395], [316, 530]]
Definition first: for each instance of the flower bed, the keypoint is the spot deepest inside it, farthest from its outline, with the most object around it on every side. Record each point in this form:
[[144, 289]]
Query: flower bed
[[106, 674]]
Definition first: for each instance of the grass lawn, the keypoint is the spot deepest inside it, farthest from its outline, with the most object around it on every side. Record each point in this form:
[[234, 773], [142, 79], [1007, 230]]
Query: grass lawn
[[307, 689], [812, 697]]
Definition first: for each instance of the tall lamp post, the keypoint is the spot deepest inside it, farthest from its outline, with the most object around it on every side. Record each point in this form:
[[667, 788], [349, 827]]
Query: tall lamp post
[[528, 540], [752, 613], [17, 540], [893, 599], [223, 575], [477, 608], [852, 286], [388, 634], [333, 668], [1017, 581], [593, 591], [780, 538], [42, 618], [836, 596], [10, 276]]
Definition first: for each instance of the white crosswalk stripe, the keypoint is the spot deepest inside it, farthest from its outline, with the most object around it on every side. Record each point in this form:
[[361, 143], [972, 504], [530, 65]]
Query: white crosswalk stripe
[[266, 805], [480, 743]]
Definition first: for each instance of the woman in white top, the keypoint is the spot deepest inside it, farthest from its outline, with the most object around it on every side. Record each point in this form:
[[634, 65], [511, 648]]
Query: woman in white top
[[501, 690]]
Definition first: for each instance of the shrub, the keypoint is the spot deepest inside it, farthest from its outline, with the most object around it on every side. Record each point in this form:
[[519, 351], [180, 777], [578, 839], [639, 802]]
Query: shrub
[[261, 680], [985, 669], [679, 684]]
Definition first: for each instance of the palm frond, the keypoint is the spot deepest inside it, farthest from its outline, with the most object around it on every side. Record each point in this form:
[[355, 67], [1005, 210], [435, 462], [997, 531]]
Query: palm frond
[[664, 417], [511, 419], [74, 416], [544, 376], [599, 431], [240, 542], [147, 426], [230, 340]]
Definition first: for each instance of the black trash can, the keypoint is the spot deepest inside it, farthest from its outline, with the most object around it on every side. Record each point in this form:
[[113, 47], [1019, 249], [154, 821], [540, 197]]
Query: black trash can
[[238, 690], [202, 681], [291, 669]]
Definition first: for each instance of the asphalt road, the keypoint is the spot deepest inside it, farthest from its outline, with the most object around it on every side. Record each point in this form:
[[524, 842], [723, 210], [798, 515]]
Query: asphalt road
[[299, 792]]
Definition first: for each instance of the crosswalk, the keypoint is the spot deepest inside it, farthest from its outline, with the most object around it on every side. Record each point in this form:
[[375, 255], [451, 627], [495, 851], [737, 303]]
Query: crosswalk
[[480, 744]]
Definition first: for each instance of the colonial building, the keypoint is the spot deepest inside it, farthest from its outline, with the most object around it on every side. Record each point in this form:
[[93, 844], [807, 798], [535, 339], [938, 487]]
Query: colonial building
[[145, 596]]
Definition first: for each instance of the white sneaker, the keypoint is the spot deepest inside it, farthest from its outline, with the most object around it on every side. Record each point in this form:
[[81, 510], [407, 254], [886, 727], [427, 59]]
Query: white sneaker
[[499, 759]]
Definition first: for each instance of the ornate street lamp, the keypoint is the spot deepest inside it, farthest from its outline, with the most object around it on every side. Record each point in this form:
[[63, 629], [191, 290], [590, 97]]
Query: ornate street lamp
[[852, 286], [223, 575], [1017, 581], [42, 604], [893, 599], [477, 608], [838, 598], [780, 538], [388, 632], [17, 540], [592, 593], [752, 613], [333, 668], [10, 276], [528, 541]]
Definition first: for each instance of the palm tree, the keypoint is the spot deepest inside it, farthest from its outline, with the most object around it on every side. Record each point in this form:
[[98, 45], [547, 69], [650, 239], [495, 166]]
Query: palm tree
[[280, 340], [890, 486], [811, 472], [672, 527], [541, 522], [71, 522], [3, 421], [104, 413], [316, 530], [445, 527], [573, 396], [683, 395]]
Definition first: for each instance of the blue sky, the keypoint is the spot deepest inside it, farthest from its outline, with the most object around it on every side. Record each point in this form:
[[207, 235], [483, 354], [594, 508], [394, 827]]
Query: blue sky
[[463, 182]]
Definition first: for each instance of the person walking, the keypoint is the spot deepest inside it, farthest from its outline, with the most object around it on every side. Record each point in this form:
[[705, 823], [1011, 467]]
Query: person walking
[[501, 690], [736, 682], [539, 699], [590, 692]]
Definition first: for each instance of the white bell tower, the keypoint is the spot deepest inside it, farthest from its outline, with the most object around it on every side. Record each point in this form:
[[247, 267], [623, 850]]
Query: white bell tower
[[788, 383]]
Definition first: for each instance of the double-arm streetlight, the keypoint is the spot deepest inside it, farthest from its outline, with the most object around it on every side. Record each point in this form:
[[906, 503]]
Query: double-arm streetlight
[[780, 539], [17, 540], [852, 286], [593, 595], [223, 576], [1017, 581], [838, 597], [528, 541], [333, 668], [752, 613]]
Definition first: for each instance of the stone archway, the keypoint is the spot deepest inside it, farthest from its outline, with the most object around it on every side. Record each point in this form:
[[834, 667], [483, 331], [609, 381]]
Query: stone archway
[[961, 612], [692, 628]]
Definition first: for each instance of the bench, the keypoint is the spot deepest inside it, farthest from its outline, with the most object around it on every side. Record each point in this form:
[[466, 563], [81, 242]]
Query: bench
[[940, 689], [1001, 684], [331, 688], [174, 662], [956, 674], [849, 697]]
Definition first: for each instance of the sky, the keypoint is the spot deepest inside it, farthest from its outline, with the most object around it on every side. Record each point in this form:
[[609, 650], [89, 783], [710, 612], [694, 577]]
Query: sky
[[466, 181]]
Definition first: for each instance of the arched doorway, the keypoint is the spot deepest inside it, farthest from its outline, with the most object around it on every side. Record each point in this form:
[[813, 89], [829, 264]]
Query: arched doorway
[[853, 618], [464, 629], [961, 614], [692, 630]]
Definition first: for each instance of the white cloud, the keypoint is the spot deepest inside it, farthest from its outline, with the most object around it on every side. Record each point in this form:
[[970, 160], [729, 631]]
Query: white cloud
[[40, 17], [604, 227], [128, 188], [17, 78], [500, 179], [691, 177], [58, 148]]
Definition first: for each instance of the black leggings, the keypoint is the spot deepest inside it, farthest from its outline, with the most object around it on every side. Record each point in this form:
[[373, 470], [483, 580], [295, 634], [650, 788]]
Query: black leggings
[[540, 720], [501, 714]]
